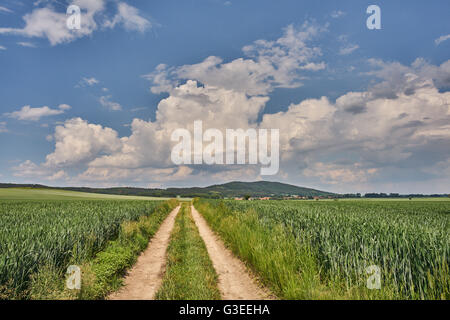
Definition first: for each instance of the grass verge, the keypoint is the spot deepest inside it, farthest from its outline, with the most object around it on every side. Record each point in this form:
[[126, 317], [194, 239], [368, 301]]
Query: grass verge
[[289, 267], [190, 274], [103, 273]]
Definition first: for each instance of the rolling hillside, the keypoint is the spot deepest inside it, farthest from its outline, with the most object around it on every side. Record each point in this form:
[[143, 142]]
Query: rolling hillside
[[231, 189]]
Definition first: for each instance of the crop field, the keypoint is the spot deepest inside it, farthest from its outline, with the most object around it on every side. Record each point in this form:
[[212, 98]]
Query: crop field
[[54, 194], [322, 249], [54, 234], [298, 249]]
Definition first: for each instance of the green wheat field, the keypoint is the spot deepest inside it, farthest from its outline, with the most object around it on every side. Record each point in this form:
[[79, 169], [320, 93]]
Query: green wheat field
[[299, 249]]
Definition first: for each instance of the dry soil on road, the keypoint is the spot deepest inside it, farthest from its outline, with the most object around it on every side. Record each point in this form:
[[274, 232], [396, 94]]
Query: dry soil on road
[[235, 282], [145, 278]]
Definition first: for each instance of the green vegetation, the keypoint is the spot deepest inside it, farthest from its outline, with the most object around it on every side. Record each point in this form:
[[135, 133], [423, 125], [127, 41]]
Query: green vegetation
[[321, 249], [40, 239], [190, 274], [57, 194], [231, 189]]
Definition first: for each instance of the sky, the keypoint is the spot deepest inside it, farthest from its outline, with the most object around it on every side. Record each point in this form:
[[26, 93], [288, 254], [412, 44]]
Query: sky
[[358, 110]]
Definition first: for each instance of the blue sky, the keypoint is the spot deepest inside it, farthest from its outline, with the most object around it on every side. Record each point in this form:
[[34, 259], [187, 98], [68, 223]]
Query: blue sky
[[104, 76]]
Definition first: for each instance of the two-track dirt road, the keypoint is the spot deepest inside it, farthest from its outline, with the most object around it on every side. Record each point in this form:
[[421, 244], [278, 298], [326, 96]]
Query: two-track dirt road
[[235, 283], [145, 278]]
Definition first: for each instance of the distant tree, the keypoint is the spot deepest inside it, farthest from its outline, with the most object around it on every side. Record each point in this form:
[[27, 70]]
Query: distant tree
[[247, 196]]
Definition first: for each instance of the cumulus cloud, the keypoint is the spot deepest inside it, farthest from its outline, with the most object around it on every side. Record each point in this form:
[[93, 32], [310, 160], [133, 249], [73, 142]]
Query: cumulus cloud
[[26, 44], [130, 18], [106, 102], [270, 65], [64, 107], [78, 142], [29, 169], [87, 82], [374, 129], [35, 114], [399, 77], [347, 142], [441, 39], [149, 144], [348, 49], [334, 174], [396, 128], [47, 22]]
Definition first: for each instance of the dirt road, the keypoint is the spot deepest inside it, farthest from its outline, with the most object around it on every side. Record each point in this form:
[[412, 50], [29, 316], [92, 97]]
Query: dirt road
[[235, 283], [144, 279]]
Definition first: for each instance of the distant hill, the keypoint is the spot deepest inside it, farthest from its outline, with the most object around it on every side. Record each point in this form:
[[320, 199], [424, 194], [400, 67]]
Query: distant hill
[[231, 189], [259, 189]]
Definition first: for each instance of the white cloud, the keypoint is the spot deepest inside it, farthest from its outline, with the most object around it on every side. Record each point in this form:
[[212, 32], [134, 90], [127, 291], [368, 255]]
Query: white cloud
[[26, 44], [2, 48], [35, 114], [337, 14], [4, 9], [399, 77], [78, 142], [64, 107], [60, 175], [271, 64], [111, 105], [138, 109], [160, 79], [314, 66], [375, 127], [29, 169], [348, 49], [45, 22], [334, 174], [441, 39], [377, 131], [149, 145], [130, 18], [87, 82], [3, 127], [389, 129]]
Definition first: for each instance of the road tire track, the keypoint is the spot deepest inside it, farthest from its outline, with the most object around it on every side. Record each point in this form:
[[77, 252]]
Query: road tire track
[[235, 282], [145, 278]]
